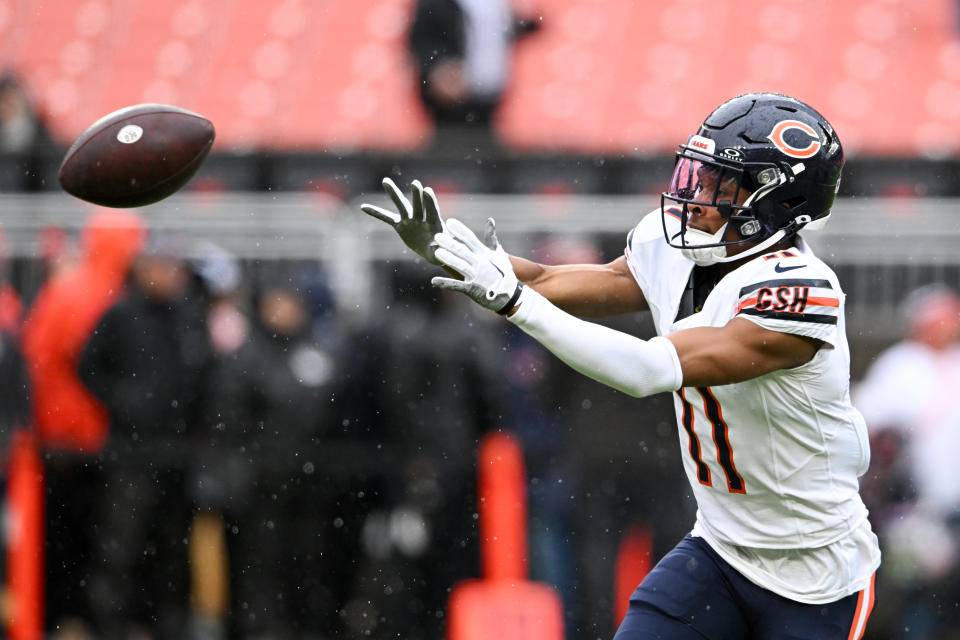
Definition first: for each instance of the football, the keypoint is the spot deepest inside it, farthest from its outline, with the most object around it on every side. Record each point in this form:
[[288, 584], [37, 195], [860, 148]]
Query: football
[[136, 156]]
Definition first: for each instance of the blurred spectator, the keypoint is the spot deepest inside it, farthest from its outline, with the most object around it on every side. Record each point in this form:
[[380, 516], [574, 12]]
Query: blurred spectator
[[21, 127], [11, 309], [14, 417], [462, 50], [262, 464], [219, 281], [15, 407], [146, 361], [908, 398], [433, 396], [25, 142], [71, 423], [61, 320], [218, 271]]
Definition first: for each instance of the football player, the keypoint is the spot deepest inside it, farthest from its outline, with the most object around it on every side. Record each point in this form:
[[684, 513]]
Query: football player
[[753, 347]]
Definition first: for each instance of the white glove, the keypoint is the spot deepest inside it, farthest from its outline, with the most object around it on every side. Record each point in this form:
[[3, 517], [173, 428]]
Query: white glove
[[488, 276], [490, 236], [416, 223]]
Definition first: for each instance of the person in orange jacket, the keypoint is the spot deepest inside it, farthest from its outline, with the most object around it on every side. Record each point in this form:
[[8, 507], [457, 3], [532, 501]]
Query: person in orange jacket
[[71, 424], [66, 310]]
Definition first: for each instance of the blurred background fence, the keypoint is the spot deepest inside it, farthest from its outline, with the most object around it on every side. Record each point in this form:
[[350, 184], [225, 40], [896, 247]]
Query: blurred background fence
[[882, 248]]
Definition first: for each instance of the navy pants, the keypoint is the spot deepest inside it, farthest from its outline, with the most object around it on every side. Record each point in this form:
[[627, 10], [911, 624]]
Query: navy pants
[[693, 594]]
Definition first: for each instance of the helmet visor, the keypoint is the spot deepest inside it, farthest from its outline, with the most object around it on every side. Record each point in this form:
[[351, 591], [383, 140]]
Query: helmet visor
[[698, 181], [706, 181]]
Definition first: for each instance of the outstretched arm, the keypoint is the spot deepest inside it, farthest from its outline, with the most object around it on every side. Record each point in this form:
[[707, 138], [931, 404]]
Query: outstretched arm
[[704, 356], [585, 290], [739, 351]]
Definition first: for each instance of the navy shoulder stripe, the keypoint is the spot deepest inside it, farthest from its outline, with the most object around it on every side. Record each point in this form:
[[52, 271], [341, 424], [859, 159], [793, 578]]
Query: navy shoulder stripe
[[816, 318], [630, 238], [787, 282]]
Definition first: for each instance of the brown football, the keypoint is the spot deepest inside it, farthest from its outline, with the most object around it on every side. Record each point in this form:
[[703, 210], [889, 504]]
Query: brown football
[[136, 156]]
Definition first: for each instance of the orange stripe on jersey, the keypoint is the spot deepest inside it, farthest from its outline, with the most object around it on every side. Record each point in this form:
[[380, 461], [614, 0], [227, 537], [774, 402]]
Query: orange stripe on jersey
[[864, 608], [811, 302]]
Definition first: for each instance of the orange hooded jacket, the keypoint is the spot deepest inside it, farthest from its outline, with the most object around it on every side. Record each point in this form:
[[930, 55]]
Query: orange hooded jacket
[[65, 312]]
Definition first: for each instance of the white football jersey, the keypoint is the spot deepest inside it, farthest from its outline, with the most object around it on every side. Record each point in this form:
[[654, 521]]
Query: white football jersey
[[773, 461]]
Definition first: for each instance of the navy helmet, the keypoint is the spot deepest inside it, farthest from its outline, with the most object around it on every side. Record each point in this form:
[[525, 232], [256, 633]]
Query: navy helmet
[[769, 163]]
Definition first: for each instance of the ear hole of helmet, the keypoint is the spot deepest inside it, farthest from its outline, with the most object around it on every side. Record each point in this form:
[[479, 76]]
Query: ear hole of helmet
[[773, 214]]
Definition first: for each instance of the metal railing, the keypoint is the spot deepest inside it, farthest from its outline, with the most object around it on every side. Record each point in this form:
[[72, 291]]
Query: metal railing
[[881, 248]]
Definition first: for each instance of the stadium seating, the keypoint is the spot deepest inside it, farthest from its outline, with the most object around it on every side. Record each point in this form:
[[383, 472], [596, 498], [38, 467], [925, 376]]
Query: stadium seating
[[620, 76], [634, 76]]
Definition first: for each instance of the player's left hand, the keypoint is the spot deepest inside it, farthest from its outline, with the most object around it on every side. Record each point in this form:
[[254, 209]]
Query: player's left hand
[[417, 220], [488, 276]]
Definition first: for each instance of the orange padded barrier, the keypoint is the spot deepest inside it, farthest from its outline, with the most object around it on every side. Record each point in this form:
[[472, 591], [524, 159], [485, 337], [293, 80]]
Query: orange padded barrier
[[26, 544], [503, 605], [634, 560], [502, 508]]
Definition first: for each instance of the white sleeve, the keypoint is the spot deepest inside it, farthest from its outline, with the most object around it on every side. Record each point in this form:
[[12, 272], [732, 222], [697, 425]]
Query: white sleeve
[[624, 362]]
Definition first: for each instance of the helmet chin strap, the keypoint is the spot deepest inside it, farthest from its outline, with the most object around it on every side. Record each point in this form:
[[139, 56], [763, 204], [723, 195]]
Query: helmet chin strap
[[769, 242], [706, 256]]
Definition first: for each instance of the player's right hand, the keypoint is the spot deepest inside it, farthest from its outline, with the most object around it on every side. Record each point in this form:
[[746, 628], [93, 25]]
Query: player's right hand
[[488, 276], [417, 221]]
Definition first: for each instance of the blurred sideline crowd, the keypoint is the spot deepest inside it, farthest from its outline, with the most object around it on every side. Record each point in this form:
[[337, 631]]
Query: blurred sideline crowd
[[908, 397], [224, 458]]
